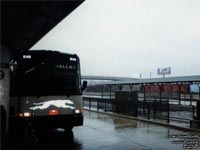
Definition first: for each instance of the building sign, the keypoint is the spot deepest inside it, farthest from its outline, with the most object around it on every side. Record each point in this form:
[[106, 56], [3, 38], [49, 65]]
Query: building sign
[[164, 71]]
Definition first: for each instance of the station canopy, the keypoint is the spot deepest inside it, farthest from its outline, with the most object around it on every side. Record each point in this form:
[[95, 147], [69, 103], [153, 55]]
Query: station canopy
[[171, 80], [24, 23]]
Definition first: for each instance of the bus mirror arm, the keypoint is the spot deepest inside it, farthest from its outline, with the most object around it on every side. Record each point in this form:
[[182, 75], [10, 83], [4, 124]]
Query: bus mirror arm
[[84, 85]]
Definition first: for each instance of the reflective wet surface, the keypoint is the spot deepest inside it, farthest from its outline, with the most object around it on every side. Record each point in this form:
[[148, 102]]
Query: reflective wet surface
[[107, 132]]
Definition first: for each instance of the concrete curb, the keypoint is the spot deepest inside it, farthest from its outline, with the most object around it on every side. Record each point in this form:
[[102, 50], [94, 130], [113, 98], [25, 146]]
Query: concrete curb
[[148, 121]]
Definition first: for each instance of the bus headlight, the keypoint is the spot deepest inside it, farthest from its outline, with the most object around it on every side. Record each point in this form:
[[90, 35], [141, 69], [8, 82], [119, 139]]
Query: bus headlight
[[25, 114], [78, 111]]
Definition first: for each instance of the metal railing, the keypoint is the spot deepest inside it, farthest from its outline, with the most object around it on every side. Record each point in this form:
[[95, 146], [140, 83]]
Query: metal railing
[[149, 109]]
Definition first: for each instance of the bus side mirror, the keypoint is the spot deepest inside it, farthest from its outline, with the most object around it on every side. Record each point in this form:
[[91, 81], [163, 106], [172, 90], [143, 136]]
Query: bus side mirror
[[84, 85]]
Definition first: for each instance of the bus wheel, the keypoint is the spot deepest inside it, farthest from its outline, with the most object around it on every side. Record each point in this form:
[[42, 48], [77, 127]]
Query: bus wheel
[[3, 121], [30, 138], [69, 137]]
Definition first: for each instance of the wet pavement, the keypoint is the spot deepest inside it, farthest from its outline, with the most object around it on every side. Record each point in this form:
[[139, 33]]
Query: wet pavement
[[107, 132]]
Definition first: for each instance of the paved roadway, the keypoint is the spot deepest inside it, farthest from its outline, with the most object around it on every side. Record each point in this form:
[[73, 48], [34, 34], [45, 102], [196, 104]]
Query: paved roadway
[[107, 132]]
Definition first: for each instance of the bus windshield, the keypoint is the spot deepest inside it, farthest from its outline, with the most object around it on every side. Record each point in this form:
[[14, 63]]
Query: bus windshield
[[45, 73]]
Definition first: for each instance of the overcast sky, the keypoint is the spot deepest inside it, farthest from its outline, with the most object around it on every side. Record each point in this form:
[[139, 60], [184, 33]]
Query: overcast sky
[[129, 37]]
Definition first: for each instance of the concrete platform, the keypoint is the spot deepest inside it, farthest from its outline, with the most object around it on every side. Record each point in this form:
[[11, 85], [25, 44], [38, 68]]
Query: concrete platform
[[107, 132]]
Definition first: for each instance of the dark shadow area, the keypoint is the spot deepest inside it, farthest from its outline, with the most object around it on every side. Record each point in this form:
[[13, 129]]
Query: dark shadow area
[[56, 139]]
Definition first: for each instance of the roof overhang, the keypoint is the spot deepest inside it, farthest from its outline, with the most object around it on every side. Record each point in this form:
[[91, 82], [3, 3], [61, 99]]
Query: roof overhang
[[171, 80], [24, 23]]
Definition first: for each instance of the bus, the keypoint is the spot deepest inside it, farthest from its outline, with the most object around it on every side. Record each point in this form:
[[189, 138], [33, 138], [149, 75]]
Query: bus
[[46, 89]]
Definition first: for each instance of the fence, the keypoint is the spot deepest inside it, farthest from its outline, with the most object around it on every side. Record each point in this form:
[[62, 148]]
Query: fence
[[148, 109]]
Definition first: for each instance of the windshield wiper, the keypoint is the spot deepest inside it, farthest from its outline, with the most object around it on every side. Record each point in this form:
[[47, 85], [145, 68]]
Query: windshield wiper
[[33, 68]]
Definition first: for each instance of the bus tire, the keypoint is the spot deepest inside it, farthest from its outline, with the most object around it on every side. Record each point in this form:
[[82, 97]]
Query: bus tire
[[69, 137], [3, 122]]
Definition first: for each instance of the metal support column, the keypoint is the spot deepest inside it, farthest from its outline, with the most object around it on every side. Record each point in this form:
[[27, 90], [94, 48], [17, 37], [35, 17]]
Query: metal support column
[[168, 111], [148, 111], [199, 89], [89, 103], [160, 90], [191, 95], [144, 89], [102, 98], [120, 87], [131, 87], [144, 102], [193, 112], [171, 90], [179, 93], [111, 101], [150, 90], [191, 98]]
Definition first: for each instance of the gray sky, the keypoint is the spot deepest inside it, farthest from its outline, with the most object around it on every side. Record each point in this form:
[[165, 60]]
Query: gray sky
[[129, 37]]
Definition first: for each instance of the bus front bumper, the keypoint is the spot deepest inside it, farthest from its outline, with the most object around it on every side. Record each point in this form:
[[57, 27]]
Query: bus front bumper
[[49, 122]]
